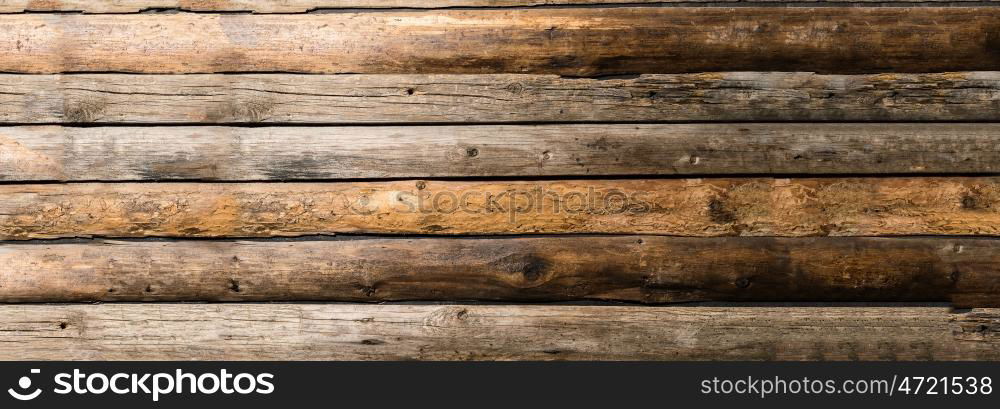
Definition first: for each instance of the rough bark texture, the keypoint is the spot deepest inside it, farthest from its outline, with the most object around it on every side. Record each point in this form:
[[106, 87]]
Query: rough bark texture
[[54, 153], [684, 207], [366, 332], [647, 269], [580, 41], [344, 99], [300, 6]]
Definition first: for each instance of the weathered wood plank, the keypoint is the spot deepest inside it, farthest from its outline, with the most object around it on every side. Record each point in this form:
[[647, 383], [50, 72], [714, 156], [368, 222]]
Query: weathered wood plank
[[343, 99], [291, 6], [577, 41], [54, 153], [300, 6], [381, 332], [683, 207], [646, 269], [279, 6]]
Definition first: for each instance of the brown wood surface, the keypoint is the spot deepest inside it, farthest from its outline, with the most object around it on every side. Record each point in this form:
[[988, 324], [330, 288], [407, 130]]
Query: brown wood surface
[[683, 207], [431, 332], [454, 75], [345, 99], [300, 6], [646, 269], [289, 6], [54, 153], [575, 41]]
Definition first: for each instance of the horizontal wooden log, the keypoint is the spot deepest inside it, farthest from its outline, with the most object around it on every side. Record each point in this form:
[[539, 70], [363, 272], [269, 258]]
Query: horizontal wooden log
[[566, 41], [300, 6], [454, 332], [682, 207], [292, 6], [345, 99], [646, 269], [282, 6], [53, 153]]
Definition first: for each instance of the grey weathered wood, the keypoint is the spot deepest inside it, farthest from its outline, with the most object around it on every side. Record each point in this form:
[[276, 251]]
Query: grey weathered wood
[[299, 6], [567, 41], [457, 332], [647, 269], [286, 153], [343, 99], [282, 6]]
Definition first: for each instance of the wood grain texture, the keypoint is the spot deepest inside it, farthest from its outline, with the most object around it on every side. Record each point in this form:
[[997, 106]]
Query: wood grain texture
[[578, 41], [645, 269], [300, 6], [54, 153], [346, 99], [286, 6], [392, 332], [682, 207]]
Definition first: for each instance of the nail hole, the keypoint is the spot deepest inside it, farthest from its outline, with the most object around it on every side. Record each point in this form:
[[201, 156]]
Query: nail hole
[[234, 286], [472, 152], [409, 91], [63, 325]]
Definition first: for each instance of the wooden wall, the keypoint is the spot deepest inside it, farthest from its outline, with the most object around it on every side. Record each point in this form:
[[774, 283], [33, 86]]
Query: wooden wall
[[499, 179]]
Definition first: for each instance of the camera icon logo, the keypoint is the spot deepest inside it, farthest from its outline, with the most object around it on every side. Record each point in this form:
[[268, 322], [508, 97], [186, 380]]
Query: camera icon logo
[[24, 383]]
